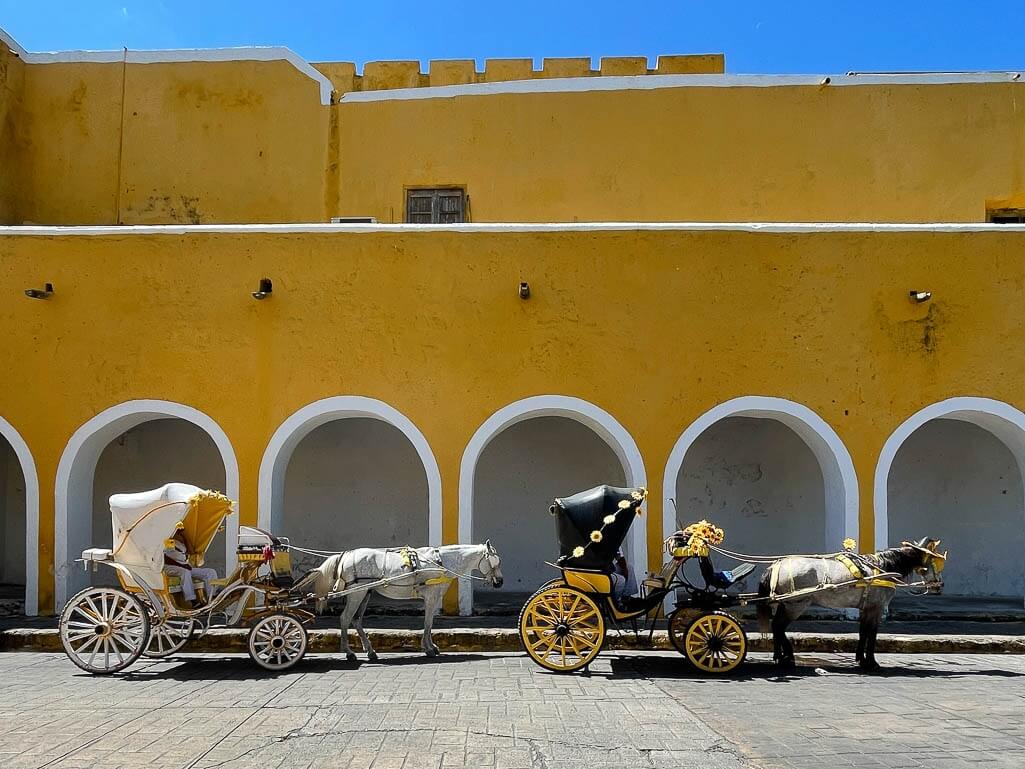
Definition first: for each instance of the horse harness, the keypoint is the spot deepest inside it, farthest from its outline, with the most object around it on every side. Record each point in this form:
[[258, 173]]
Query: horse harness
[[411, 560], [865, 574]]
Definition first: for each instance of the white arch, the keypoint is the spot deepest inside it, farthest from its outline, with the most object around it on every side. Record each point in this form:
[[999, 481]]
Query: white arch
[[308, 418], [28, 470], [1003, 421], [838, 475], [74, 486], [600, 421]]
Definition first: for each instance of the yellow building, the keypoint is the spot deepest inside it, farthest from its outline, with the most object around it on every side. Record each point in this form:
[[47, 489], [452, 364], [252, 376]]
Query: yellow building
[[737, 342]]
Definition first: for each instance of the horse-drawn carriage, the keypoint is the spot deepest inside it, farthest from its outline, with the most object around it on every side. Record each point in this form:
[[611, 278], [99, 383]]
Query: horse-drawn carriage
[[562, 626], [106, 629]]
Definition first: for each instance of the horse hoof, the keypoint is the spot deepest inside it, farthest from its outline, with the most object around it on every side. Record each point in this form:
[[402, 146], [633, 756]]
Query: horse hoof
[[372, 656], [787, 663], [350, 656], [870, 666]]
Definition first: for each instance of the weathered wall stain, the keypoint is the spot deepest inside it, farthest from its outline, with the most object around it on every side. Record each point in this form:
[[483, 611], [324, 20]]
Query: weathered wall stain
[[181, 209], [198, 95], [915, 336]]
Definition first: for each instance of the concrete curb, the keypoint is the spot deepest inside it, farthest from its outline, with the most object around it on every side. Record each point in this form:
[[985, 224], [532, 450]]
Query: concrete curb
[[507, 640]]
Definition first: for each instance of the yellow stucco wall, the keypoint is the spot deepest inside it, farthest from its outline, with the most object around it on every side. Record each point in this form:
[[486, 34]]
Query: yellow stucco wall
[[245, 141], [238, 141], [887, 153], [655, 327], [12, 133], [70, 163]]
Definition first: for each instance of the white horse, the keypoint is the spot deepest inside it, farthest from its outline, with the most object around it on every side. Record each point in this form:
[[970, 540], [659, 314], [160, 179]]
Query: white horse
[[438, 566]]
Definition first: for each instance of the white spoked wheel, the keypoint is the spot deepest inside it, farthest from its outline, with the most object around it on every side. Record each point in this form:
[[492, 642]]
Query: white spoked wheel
[[277, 641], [104, 630], [168, 635]]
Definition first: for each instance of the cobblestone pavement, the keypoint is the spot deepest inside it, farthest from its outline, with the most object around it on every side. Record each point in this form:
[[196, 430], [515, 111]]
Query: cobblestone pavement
[[632, 710]]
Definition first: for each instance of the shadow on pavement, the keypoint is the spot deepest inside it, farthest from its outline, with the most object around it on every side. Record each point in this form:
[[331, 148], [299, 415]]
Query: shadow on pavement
[[241, 668], [625, 666]]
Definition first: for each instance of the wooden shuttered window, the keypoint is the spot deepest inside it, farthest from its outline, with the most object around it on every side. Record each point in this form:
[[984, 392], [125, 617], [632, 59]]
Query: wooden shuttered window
[[1006, 216], [436, 206]]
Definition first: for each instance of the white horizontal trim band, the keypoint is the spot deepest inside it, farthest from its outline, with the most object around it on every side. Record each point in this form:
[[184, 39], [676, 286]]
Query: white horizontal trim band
[[190, 229], [650, 82]]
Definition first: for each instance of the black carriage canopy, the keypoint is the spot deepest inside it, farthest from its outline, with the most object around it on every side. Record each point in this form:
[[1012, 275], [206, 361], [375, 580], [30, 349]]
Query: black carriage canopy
[[578, 516]]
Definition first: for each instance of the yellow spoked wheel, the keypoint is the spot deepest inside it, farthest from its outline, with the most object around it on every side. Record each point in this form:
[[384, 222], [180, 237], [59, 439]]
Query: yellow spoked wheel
[[678, 623], [561, 628], [715, 643]]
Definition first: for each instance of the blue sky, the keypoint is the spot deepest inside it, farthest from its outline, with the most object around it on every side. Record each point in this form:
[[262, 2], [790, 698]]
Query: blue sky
[[799, 36]]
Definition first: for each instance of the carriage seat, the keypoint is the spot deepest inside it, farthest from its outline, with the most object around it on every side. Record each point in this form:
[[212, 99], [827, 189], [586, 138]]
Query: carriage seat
[[97, 554], [727, 577], [174, 583]]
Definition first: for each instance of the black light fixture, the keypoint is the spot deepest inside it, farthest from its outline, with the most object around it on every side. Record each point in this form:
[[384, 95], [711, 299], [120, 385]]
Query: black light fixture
[[265, 290], [524, 290], [40, 293], [920, 296]]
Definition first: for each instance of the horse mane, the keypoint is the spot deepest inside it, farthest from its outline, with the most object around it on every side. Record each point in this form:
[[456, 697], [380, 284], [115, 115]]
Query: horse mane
[[898, 560]]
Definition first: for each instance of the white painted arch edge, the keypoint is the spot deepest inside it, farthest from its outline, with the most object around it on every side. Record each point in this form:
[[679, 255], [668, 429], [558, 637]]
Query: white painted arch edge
[[600, 421], [89, 440], [28, 470], [1002, 420], [838, 473], [302, 422]]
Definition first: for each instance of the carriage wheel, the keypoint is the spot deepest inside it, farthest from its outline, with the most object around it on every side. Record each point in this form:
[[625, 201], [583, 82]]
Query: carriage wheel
[[561, 628], [277, 641], [168, 636], [715, 643], [104, 630], [677, 627]]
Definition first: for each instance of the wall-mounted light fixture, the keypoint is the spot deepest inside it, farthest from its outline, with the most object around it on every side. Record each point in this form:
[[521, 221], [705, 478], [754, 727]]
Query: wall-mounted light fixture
[[40, 293], [920, 296], [825, 81], [265, 290], [524, 290]]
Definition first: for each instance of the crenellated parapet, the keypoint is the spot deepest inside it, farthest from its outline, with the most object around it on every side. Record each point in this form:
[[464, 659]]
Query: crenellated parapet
[[387, 75]]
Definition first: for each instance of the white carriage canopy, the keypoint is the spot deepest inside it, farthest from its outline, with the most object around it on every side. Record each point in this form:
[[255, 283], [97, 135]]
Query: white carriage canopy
[[143, 523]]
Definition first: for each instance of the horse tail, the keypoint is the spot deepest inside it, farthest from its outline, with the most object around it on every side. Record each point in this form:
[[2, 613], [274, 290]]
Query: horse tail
[[764, 609]]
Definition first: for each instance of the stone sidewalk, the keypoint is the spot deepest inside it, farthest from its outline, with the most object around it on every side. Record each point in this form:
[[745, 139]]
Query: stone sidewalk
[[502, 712], [841, 637]]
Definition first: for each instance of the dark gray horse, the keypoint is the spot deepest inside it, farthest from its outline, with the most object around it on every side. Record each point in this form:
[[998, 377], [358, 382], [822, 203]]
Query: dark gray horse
[[796, 582]]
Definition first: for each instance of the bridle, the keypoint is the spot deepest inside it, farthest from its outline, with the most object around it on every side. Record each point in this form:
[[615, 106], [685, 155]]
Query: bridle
[[493, 561], [934, 561]]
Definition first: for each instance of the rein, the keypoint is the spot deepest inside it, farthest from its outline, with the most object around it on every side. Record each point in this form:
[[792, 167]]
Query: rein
[[456, 574], [860, 559], [329, 553]]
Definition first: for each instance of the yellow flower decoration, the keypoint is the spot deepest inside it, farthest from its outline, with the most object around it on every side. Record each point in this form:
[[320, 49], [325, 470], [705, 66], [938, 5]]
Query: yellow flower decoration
[[578, 551], [609, 519], [624, 505], [849, 544], [596, 536], [698, 536]]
